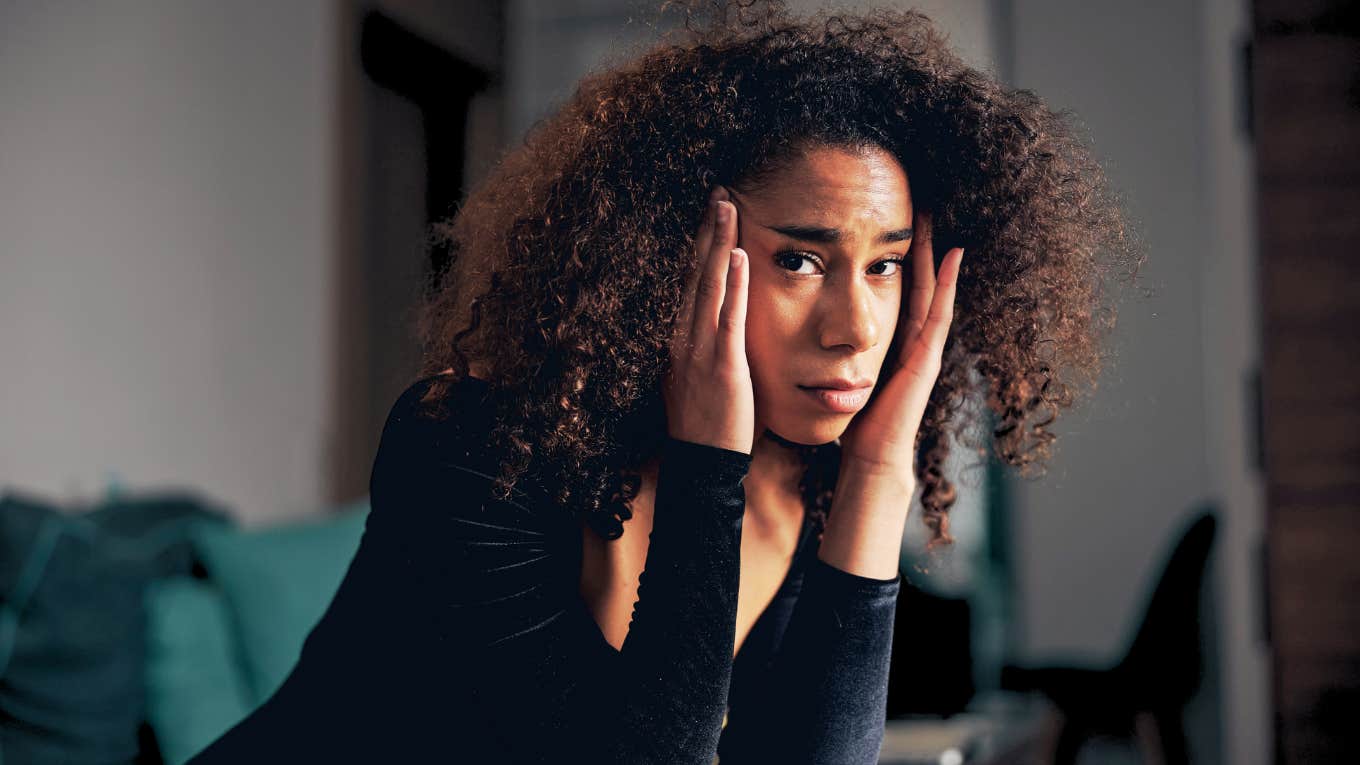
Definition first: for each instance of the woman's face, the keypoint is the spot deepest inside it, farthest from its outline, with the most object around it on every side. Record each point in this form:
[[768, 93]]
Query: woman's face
[[828, 237]]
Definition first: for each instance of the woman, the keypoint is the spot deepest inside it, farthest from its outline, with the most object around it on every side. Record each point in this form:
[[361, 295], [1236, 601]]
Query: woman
[[697, 352]]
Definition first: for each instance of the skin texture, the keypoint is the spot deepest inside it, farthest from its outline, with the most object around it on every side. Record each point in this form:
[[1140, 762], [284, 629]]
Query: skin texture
[[821, 310]]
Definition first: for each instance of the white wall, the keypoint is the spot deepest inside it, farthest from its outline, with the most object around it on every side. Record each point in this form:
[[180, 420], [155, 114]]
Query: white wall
[[551, 45], [1231, 353], [1129, 466], [166, 187], [1156, 85]]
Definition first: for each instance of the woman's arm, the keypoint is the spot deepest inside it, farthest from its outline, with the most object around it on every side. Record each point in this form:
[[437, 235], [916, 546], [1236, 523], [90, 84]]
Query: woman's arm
[[831, 676], [868, 517], [661, 698], [469, 606], [825, 696]]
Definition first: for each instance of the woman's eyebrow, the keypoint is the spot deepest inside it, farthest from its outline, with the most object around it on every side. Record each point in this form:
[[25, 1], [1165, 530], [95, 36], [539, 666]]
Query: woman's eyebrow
[[822, 235]]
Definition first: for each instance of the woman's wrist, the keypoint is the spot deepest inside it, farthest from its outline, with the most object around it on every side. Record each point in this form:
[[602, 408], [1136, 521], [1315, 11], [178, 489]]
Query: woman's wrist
[[868, 516]]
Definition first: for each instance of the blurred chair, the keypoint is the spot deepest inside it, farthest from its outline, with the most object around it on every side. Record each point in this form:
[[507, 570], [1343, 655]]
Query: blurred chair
[[931, 672], [1145, 694]]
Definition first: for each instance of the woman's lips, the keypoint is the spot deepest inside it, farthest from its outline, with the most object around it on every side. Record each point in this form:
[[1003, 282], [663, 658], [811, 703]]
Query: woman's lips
[[844, 401]]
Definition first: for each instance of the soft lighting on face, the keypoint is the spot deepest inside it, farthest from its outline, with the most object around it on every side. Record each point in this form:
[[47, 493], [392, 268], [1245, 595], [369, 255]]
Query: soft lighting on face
[[827, 234]]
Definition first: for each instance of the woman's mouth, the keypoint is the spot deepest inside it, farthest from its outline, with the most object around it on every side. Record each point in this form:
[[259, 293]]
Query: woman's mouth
[[840, 400]]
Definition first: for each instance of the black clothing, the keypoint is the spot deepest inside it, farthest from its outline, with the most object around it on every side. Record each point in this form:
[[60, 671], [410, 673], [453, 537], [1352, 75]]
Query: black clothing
[[459, 634]]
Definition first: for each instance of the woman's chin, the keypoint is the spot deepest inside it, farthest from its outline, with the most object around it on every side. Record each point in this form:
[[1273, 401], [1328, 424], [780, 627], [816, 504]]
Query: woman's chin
[[812, 431]]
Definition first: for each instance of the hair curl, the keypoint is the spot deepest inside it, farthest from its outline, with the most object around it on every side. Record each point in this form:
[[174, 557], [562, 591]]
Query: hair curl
[[569, 260]]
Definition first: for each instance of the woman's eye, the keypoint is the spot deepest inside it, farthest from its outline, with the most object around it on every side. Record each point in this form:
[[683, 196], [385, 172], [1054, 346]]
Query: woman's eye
[[894, 263], [793, 261]]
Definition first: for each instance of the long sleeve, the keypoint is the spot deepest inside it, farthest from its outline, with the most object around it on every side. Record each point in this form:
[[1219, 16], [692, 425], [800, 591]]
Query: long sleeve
[[458, 631], [823, 696]]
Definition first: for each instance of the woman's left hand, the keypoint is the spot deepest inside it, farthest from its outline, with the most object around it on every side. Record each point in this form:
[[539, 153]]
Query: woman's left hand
[[882, 436]]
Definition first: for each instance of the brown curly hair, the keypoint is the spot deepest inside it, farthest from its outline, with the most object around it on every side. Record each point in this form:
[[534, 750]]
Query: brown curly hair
[[567, 264]]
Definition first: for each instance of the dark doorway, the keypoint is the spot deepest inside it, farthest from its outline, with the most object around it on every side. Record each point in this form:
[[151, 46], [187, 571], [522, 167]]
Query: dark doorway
[[408, 109]]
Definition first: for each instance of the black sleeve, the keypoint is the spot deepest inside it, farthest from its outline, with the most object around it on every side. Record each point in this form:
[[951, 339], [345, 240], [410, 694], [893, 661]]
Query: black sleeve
[[459, 603], [824, 697]]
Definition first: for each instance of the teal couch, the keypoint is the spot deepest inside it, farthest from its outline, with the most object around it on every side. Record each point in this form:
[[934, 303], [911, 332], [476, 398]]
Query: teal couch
[[220, 645], [137, 631]]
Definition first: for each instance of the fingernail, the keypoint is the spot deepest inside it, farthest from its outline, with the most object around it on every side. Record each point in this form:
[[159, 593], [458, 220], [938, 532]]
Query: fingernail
[[723, 212], [738, 257]]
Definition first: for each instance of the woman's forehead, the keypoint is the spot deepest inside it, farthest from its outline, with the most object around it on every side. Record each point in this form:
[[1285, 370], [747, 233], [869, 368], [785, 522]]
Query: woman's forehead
[[832, 187]]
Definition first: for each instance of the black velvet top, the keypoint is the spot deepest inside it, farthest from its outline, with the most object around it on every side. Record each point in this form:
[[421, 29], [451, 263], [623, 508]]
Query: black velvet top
[[459, 634]]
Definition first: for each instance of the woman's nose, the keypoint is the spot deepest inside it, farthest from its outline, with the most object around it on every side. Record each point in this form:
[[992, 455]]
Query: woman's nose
[[848, 320]]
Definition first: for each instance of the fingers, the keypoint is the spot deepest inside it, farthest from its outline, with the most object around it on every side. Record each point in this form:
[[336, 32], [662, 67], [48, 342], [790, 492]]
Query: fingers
[[922, 281], [732, 322], [942, 305], [703, 243], [928, 345], [930, 302], [712, 286], [708, 392]]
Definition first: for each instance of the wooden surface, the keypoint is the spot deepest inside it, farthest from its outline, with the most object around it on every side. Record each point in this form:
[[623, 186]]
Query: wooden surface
[[1306, 95]]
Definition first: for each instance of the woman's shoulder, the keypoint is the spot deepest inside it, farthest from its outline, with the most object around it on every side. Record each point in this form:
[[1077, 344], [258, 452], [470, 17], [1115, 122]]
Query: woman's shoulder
[[440, 396], [438, 441], [442, 418]]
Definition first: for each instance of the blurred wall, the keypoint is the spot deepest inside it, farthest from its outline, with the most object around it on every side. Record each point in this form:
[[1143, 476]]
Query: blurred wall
[[1131, 464], [420, 113], [166, 239], [1158, 86], [1232, 355], [554, 44]]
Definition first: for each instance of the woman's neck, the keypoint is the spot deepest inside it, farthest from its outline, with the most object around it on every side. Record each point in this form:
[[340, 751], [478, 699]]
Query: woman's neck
[[774, 460], [776, 469], [772, 481]]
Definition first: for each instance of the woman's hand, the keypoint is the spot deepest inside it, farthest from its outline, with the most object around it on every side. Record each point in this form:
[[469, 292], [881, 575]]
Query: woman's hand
[[882, 436], [708, 393]]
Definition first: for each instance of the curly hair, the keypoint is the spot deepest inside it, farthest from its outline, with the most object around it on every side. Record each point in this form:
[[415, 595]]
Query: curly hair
[[568, 262]]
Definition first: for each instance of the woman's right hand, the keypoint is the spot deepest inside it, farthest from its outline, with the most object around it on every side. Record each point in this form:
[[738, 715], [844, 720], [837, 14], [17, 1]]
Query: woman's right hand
[[708, 393]]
